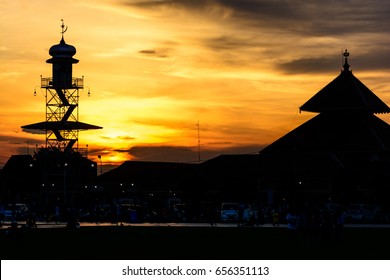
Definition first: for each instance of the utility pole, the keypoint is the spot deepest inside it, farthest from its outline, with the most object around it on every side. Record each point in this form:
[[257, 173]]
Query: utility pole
[[198, 142], [101, 167]]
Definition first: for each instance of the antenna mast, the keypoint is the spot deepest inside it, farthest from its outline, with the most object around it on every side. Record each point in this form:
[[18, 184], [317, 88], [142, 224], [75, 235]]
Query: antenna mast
[[198, 142]]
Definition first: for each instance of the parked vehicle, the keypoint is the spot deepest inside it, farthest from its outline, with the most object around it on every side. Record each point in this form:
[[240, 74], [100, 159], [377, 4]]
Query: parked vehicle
[[363, 212], [17, 211], [230, 212]]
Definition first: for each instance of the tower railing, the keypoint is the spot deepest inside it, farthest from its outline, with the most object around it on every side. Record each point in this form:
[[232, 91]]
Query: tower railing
[[76, 83]]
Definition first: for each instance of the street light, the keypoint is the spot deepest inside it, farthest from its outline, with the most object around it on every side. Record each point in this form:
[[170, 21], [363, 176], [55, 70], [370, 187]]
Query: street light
[[100, 158], [65, 165]]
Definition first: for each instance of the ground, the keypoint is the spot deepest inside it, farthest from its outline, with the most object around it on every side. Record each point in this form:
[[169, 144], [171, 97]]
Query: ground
[[201, 243]]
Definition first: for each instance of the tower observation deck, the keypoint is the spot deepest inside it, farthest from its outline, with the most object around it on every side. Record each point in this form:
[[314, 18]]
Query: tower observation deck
[[62, 123]]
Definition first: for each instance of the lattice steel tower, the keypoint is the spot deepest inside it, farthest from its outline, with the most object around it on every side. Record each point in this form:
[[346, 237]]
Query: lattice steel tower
[[62, 124]]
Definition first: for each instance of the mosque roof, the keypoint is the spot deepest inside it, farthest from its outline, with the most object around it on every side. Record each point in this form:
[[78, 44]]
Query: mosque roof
[[345, 93], [335, 132]]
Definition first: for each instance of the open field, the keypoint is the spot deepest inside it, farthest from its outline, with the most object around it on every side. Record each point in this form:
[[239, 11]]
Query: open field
[[189, 242]]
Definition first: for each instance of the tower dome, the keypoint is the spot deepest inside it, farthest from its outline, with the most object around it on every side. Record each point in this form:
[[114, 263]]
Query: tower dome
[[62, 50]]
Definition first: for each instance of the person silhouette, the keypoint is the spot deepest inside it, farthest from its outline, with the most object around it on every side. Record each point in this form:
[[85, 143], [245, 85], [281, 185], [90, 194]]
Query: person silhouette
[[275, 218], [292, 224]]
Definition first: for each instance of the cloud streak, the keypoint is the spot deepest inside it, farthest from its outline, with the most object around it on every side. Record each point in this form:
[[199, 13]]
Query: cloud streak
[[154, 53], [272, 25], [310, 17]]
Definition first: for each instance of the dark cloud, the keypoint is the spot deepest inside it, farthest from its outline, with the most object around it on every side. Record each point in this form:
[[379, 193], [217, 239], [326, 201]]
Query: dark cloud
[[118, 137], [311, 65], [148, 52], [20, 140], [34, 131], [21, 146], [378, 59], [359, 23], [125, 137], [162, 153], [185, 154], [228, 43], [316, 18], [311, 17], [329, 63], [154, 53], [191, 4]]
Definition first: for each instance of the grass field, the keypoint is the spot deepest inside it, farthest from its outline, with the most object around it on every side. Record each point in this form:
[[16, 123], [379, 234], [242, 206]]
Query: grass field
[[190, 243]]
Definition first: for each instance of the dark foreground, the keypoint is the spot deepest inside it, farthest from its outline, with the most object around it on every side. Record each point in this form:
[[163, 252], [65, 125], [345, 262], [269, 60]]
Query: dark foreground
[[190, 243]]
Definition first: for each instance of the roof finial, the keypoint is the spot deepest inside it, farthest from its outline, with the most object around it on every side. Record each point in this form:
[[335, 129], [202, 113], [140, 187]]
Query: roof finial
[[63, 30], [346, 65]]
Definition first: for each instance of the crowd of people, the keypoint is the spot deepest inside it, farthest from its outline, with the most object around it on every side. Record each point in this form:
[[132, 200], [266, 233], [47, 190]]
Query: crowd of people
[[306, 224]]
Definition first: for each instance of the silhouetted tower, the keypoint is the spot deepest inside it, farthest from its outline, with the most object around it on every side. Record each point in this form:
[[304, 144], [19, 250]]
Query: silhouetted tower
[[61, 169], [62, 100]]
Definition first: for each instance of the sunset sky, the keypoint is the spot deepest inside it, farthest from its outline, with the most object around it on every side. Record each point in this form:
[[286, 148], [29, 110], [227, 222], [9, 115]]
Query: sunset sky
[[157, 68]]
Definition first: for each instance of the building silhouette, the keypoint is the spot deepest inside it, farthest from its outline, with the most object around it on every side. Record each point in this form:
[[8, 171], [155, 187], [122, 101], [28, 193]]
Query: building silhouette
[[340, 155], [59, 173]]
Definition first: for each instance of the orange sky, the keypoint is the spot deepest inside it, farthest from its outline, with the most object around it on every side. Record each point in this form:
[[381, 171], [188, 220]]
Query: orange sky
[[157, 68]]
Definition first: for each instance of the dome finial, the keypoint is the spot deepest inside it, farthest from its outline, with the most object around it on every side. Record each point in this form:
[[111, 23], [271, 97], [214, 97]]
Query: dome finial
[[63, 30], [346, 54]]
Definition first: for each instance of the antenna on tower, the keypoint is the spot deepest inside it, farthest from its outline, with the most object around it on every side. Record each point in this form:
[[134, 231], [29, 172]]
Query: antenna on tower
[[198, 141]]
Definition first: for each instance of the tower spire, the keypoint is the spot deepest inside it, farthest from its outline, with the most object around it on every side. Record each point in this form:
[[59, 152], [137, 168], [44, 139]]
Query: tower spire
[[346, 65], [63, 30]]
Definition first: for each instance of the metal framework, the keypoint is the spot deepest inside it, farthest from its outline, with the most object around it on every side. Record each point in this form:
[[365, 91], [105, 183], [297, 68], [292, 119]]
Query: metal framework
[[62, 107]]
